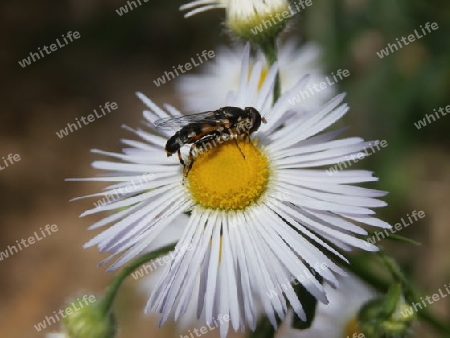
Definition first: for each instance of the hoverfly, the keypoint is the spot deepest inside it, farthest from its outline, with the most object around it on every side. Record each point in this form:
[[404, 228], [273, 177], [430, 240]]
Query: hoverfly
[[201, 128]]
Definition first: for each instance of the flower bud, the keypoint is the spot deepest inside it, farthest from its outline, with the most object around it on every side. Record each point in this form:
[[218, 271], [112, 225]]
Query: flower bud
[[374, 323], [89, 321], [258, 21]]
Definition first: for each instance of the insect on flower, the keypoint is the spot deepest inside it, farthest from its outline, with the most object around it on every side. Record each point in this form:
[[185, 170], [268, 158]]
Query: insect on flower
[[253, 223], [201, 128]]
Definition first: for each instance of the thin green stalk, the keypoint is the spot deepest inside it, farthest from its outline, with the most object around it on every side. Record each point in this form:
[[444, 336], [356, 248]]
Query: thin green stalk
[[114, 286], [270, 51]]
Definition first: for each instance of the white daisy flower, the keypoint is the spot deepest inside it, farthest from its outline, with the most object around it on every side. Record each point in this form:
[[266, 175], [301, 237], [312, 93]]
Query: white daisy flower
[[338, 319], [255, 20], [223, 73], [56, 335], [255, 220]]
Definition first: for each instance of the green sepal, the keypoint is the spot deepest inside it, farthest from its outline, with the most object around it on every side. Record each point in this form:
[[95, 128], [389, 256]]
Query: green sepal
[[398, 238], [391, 300]]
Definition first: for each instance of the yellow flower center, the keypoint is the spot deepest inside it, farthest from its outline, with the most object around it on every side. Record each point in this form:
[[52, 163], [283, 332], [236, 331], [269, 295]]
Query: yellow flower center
[[221, 178], [351, 329]]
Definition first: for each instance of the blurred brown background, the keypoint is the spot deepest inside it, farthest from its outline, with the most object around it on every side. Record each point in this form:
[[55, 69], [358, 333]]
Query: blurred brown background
[[119, 55]]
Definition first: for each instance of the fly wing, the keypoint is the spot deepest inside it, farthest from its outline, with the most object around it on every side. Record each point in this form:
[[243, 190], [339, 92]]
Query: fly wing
[[180, 121]]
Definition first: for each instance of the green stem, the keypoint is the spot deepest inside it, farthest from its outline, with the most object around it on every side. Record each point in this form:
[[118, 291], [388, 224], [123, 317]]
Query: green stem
[[113, 288], [365, 273], [269, 49], [398, 275]]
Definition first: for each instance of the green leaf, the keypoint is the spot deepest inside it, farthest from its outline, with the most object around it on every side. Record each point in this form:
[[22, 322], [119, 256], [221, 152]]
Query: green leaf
[[399, 238]]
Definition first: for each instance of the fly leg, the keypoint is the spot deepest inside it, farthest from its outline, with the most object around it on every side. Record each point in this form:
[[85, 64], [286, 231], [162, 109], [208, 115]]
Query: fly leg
[[234, 137], [240, 150], [246, 137], [199, 147], [182, 162], [181, 158]]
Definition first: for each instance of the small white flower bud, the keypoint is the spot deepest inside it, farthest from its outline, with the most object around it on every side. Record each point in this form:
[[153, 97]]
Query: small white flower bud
[[257, 20]]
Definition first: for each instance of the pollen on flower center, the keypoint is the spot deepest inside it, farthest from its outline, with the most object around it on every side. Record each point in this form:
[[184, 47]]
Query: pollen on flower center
[[221, 178]]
